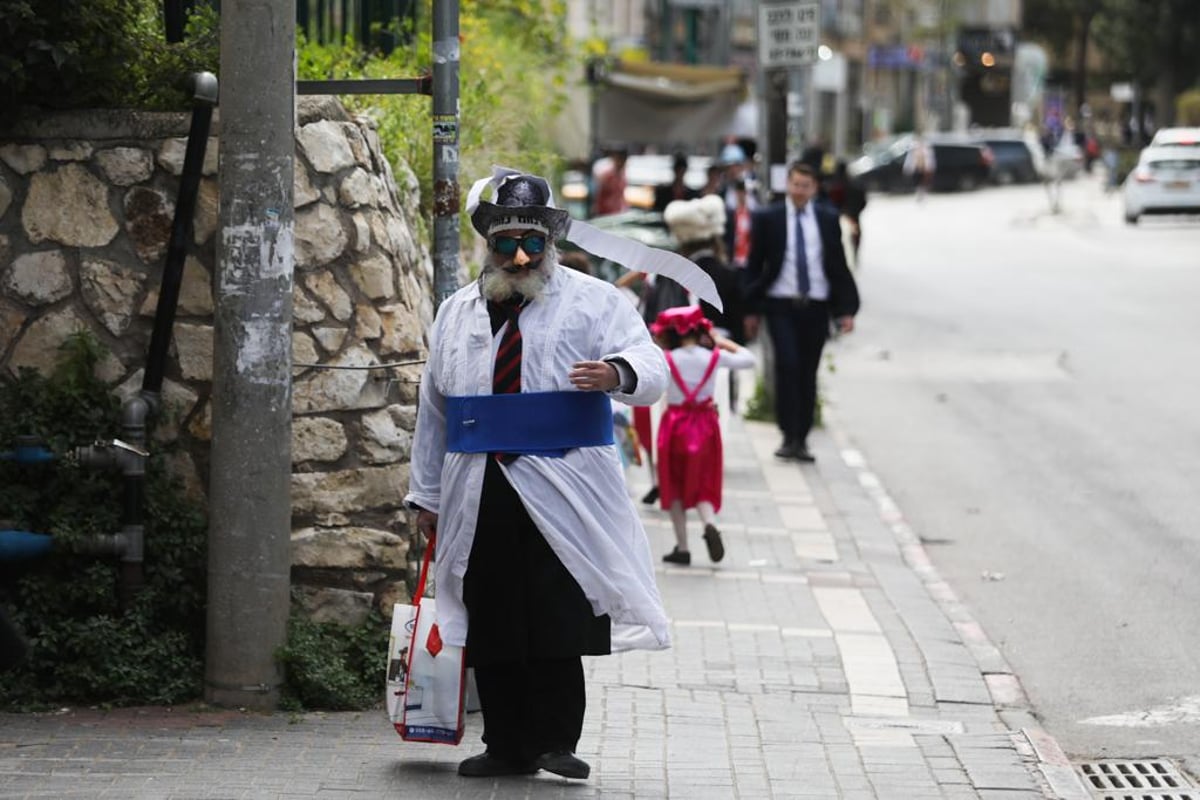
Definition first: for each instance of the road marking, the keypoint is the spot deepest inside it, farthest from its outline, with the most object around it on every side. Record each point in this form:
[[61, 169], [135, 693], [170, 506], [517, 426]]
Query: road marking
[[1185, 712]]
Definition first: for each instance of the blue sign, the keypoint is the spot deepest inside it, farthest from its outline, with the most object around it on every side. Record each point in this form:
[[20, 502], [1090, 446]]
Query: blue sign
[[895, 56]]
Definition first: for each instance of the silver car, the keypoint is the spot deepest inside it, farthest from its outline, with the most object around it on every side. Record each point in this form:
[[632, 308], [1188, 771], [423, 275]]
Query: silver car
[[1166, 180]]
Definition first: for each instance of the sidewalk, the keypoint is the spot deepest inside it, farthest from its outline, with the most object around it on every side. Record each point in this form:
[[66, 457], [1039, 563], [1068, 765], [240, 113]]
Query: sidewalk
[[821, 659]]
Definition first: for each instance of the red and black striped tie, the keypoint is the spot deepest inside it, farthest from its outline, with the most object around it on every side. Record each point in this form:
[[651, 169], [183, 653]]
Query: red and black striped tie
[[506, 377]]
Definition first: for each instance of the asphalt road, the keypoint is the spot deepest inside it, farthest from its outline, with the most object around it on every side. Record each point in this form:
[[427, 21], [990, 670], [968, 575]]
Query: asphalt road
[[1027, 386]]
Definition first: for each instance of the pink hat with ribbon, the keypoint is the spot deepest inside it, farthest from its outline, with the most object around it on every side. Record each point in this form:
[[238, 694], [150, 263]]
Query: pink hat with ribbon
[[683, 320]]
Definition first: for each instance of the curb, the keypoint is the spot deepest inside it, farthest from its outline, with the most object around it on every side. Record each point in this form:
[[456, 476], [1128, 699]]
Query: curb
[[1002, 682]]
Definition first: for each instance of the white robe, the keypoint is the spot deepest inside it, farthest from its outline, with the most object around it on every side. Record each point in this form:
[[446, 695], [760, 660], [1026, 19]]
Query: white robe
[[579, 502]]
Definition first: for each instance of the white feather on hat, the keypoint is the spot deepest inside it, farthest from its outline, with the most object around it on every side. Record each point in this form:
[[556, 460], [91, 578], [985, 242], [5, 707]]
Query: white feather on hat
[[696, 220]]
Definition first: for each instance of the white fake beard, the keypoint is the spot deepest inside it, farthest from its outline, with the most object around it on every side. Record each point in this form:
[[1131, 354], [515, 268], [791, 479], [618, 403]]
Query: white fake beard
[[499, 286]]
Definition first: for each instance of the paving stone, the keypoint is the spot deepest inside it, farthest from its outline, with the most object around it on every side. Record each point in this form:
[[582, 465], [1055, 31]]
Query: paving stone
[[813, 662]]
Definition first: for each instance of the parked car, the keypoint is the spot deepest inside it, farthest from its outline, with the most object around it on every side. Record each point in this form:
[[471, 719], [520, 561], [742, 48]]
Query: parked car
[[960, 165], [1012, 159], [1176, 137], [642, 174], [1166, 180]]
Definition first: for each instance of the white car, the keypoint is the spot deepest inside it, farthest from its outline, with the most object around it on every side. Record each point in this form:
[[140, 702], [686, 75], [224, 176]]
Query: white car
[[1176, 137], [1166, 180]]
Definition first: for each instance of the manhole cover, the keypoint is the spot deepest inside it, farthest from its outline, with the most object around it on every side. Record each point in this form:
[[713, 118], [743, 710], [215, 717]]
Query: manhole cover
[[1156, 779]]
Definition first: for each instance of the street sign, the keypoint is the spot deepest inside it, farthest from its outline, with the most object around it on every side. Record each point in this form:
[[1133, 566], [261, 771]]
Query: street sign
[[788, 32]]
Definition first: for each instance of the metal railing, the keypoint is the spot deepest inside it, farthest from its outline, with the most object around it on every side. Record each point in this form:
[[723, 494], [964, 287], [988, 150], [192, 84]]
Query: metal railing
[[374, 24]]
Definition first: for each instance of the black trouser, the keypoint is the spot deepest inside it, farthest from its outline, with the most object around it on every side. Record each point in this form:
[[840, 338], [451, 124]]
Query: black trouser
[[798, 332], [528, 625], [532, 708]]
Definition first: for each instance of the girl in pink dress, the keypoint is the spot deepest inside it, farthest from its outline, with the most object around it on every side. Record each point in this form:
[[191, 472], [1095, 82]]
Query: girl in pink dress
[[690, 459]]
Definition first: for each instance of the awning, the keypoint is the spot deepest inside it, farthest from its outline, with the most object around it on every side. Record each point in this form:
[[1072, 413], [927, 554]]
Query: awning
[[677, 83], [670, 105]]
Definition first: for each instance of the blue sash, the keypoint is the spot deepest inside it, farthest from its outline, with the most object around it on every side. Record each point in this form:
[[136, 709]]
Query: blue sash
[[531, 423]]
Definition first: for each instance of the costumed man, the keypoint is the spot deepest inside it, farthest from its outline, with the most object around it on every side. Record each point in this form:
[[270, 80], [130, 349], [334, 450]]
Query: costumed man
[[540, 555]]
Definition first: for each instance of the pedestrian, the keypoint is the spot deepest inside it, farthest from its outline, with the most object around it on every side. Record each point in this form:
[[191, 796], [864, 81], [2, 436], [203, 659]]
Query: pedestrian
[[698, 227], [798, 279], [690, 453], [714, 180], [920, 164], [667, 193], [737, 168], [540, 555], [610, 185], [849, 198], [737, 227], [657, 293]]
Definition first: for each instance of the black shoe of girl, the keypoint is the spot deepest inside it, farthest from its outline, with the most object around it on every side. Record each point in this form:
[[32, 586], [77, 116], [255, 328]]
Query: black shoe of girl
[[712, 540], [677, 556], [651, 497]]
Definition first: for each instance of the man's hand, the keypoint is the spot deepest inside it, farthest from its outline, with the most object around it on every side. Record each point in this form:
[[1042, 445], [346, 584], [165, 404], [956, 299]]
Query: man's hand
[[594, 376], [427, 526], [845, 324]]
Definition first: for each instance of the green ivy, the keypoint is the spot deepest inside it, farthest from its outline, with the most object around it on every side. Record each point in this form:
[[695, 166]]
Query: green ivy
[[84, 647], [761, 406], [334, 667]]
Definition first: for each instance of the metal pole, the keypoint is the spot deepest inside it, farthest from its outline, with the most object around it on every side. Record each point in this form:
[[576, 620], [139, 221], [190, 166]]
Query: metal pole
[[249, 563], [445, 149], [204, 87]]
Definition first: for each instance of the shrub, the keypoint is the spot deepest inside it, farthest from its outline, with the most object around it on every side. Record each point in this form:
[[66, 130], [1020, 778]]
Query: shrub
[[84, 647], [515, 58], [73, 54], [1187, 108], [334, 667]]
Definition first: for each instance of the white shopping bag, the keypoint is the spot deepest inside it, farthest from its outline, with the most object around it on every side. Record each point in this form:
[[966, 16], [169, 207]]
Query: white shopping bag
[[426, 679]]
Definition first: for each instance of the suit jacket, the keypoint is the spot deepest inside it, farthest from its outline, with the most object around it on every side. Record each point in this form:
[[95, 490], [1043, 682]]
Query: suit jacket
[[768, 241], [664, 194]]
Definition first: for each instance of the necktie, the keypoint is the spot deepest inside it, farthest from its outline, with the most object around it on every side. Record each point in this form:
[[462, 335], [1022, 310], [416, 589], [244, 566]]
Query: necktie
[[801, 257], [506, 377]]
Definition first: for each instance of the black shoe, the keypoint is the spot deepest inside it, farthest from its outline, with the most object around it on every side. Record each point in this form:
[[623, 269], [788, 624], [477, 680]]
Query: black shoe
[[651, 497], [788, 451], [802, 454], [712, 538], [563, 763], [677, 556], [486, 765]]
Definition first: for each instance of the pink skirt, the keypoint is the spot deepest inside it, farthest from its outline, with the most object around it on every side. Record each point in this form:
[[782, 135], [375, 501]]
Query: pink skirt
[[690, 456], [643, 426]]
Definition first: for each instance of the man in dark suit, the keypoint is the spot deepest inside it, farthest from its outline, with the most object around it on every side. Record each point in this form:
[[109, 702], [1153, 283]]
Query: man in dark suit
[[798, 280]]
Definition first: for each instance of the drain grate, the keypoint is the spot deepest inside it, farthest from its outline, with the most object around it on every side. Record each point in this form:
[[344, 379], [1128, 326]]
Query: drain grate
[[1156, 779]]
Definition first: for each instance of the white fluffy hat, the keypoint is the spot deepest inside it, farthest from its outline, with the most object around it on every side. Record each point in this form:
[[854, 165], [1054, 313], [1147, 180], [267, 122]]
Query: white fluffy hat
[[696, 220]]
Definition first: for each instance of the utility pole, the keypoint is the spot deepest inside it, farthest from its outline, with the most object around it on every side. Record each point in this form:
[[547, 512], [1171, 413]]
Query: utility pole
[[445, 149], [249, 558]]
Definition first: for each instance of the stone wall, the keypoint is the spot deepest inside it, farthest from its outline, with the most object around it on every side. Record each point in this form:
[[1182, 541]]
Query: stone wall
[[86, 206]]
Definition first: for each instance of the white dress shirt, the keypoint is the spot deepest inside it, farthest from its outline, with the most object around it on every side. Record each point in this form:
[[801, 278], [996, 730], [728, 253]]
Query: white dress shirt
[[786, 284]]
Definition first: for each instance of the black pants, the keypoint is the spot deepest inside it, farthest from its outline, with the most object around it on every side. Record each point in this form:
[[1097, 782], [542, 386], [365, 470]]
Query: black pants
[[532, 708], [528, 624], [798, 333]]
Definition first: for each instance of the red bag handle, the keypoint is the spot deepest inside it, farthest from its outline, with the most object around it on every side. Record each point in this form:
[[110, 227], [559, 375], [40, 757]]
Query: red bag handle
[[420, 592]]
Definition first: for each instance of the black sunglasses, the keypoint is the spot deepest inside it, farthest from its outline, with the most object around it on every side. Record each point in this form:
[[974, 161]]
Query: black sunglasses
[[533, 244]]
